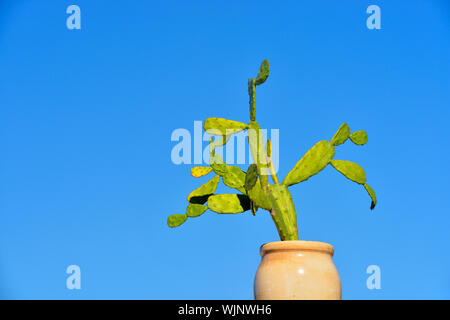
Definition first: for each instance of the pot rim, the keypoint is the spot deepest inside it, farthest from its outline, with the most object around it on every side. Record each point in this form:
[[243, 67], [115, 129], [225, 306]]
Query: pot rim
[[296, 245]]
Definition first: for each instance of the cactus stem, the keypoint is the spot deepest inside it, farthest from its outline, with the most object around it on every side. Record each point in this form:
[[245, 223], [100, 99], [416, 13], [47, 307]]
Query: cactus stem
[[251, 93], [271, 168]]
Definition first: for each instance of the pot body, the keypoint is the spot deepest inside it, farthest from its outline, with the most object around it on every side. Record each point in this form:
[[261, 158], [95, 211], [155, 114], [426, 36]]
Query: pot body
[[297, 270]]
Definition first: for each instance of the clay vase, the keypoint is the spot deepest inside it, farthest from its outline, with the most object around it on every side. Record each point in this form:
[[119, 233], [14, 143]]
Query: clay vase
[[297, 270]]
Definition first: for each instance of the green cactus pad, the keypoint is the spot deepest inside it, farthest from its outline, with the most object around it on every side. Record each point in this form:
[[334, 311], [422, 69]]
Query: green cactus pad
[[218, 165], [176, 220], [372, 196], [216, 161], [198, 172], [312, 163], [359, 137], [251, 177], [229, 203], [234, 178], [203, 191], [341, 135], [263, 72], [195, 210], [223, 127], [259, 197], [350, 170]]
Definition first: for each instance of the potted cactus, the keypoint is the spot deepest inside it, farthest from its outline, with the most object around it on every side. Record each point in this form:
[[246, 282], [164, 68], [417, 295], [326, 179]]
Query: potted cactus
[[290, 268]]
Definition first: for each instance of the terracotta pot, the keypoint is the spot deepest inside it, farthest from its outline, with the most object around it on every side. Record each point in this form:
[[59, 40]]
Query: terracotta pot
[[297, 270]]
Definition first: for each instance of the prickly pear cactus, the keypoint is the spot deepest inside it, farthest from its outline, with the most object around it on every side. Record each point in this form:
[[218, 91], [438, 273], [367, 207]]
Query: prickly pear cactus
[[254, 187]]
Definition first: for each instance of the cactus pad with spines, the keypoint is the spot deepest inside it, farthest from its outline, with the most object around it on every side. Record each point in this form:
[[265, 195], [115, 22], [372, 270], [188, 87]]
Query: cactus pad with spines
[[176, 220], [350, 170], [253, 185], [216, 161], [251, 177], [234, 178], [260, 197], [223, 127], [205, 190], [314, 161], [229, 203], [263, 73], [359, 137], [195, 210], [341, 135], [198, 172], [218, 165]]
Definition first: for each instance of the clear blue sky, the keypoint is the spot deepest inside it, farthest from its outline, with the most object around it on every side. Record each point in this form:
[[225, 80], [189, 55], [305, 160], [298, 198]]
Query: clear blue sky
[[86, 118]]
